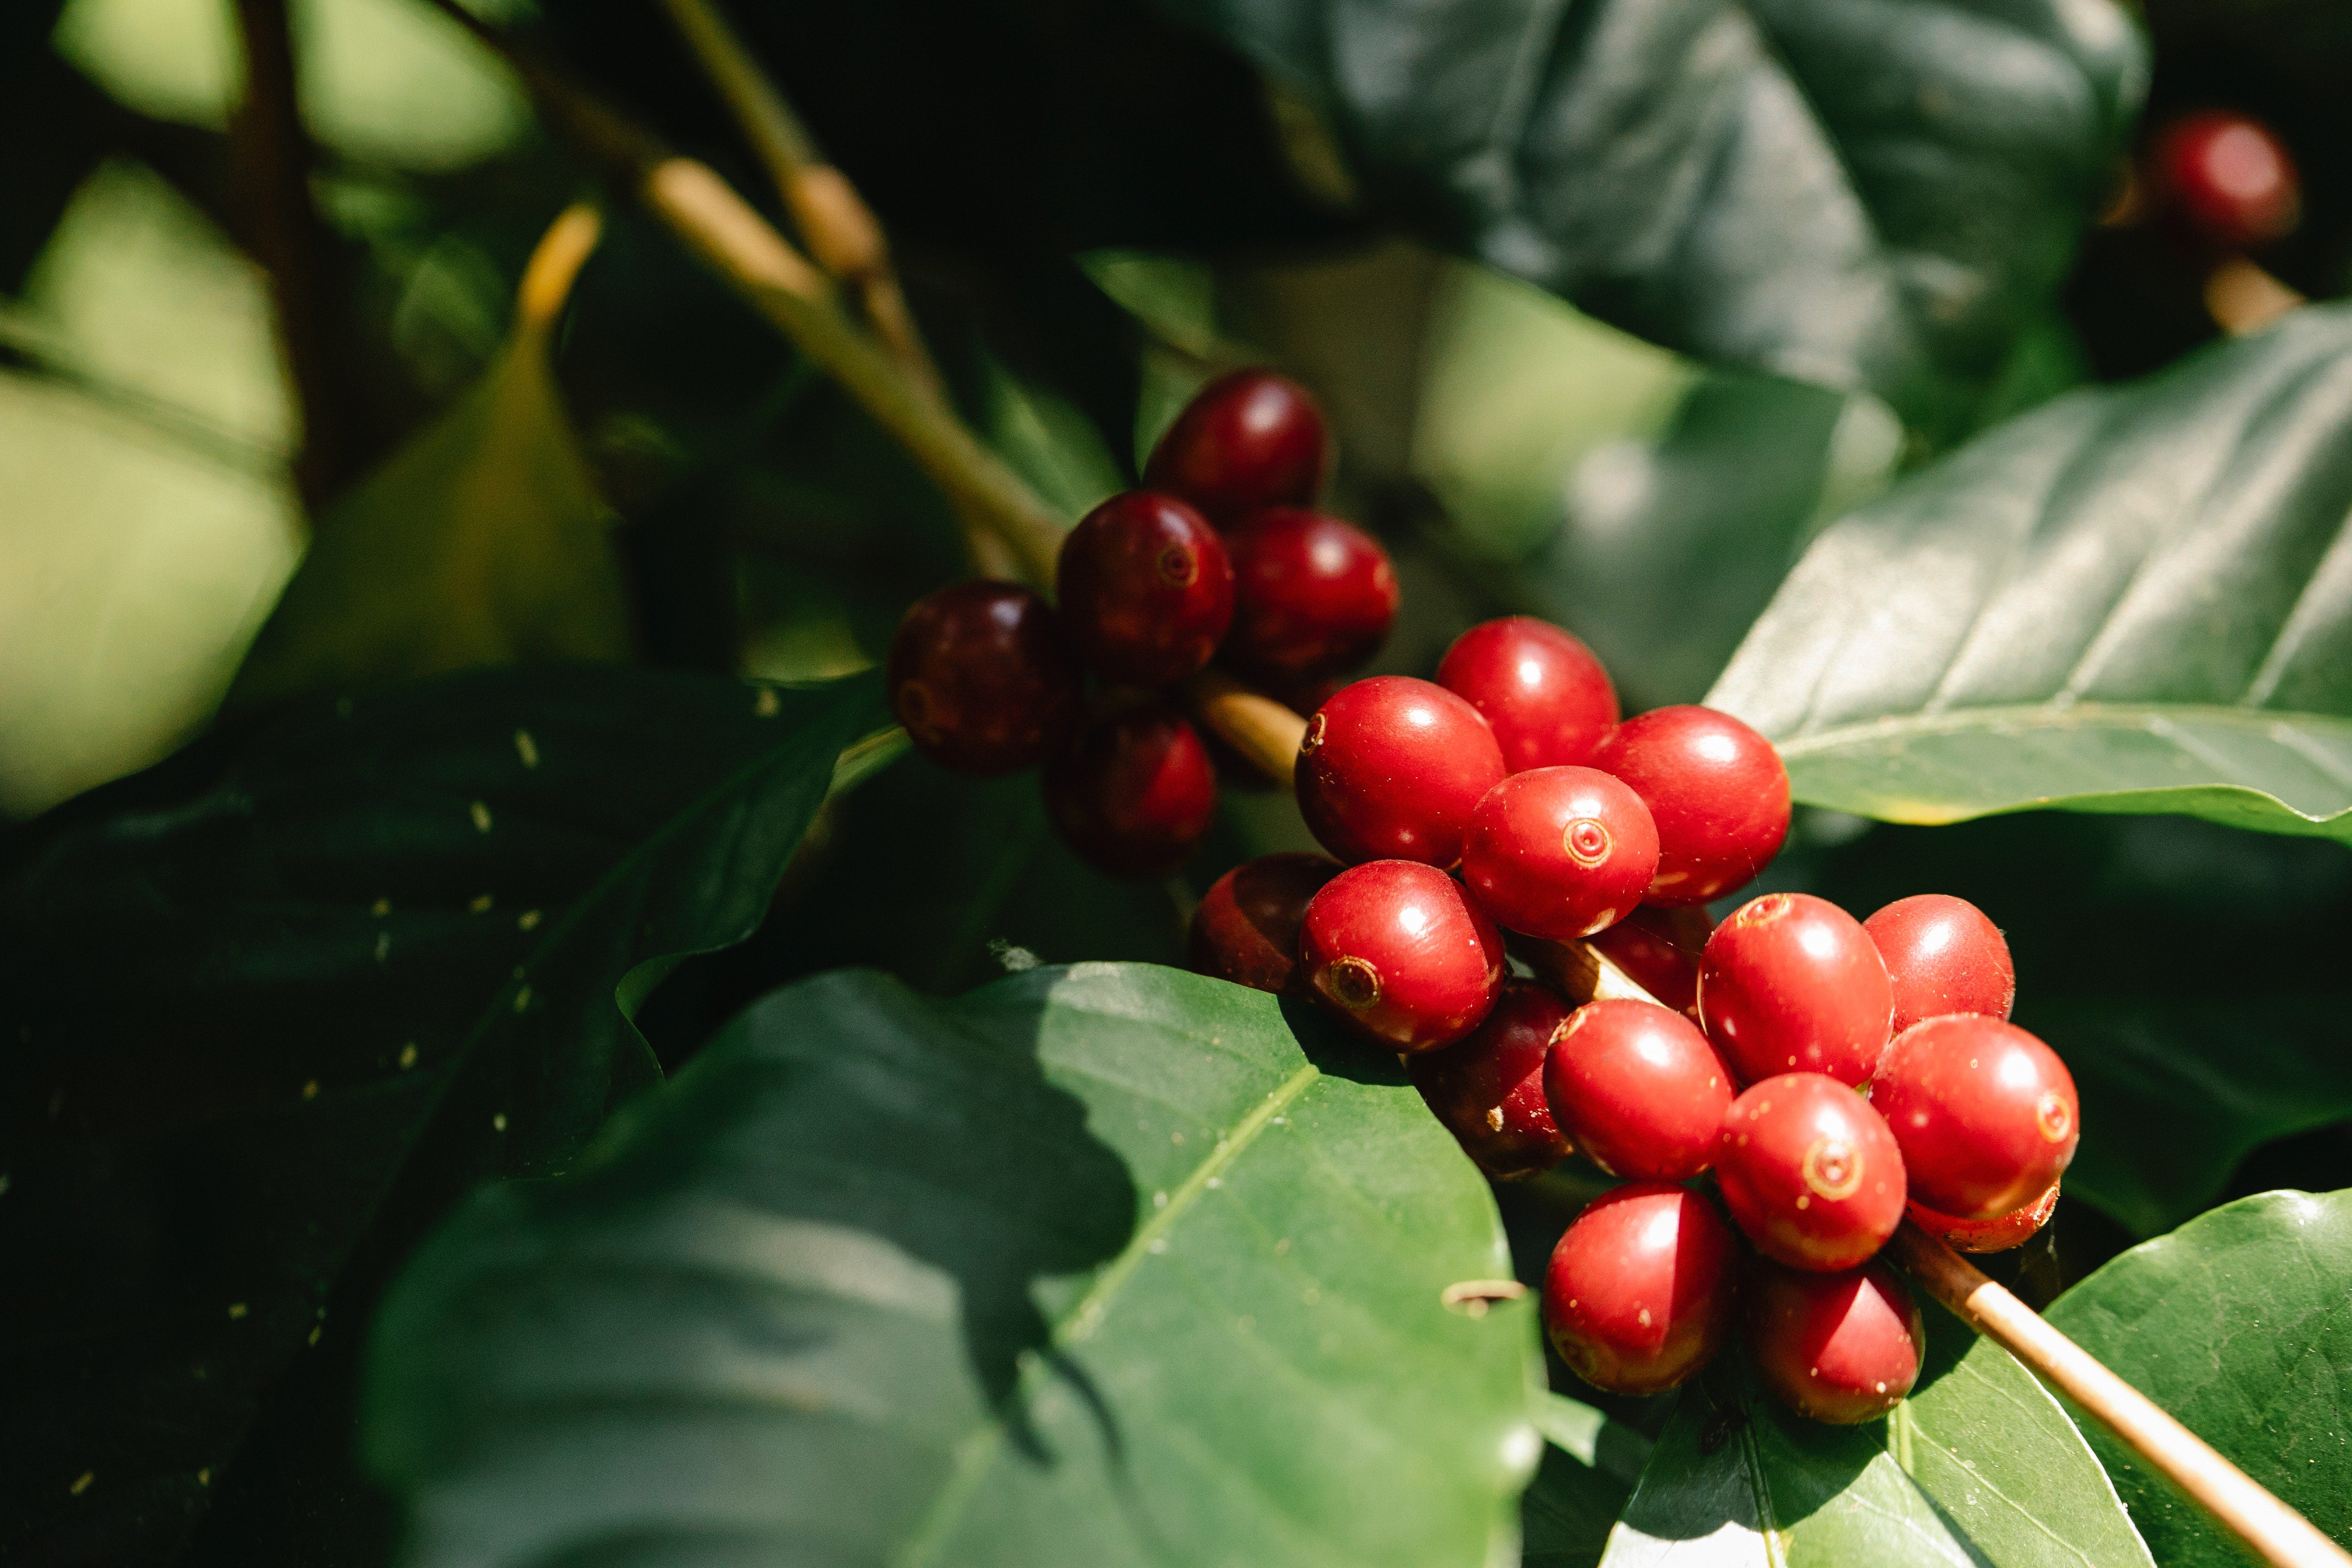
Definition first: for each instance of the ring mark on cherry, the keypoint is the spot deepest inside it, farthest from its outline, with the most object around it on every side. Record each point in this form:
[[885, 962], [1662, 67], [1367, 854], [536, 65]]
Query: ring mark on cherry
[[1832, 1168], [1586, 841], [1178, 567], [2055, 1116], [1764, 911], [1312, 741], [1354, 982]]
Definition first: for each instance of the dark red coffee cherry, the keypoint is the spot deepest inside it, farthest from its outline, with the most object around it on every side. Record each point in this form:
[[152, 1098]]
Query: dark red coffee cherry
[[1942, 956], [1547, 698], [1642, 1289], [1658, 948], [1245, 929], [1147, 589], [1810, 1171], [1488, 1086], [2229, 179], [1391, 769], [1985, 1113], [1716, 790], [1248, 440], [983, 679], [1998, 1234], [1558, 852], [1395, 951], [1843, 1347], [1135, 793], [1313, 596], [1792, 984], [1638, 1089]]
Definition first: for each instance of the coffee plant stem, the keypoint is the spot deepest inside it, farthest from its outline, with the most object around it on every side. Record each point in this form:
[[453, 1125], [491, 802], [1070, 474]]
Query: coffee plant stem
[[2276, 1533]]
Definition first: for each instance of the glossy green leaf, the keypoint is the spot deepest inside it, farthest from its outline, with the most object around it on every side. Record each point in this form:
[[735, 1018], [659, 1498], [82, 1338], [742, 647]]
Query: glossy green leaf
[[2136, 600], [1873, 194], [272, 1007], [2240, 1324], [1590, 1466], [1981, 1466], [1088, 1266]]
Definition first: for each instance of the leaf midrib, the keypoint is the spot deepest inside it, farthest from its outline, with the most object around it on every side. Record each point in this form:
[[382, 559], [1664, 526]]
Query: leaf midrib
[[1079, 1321], [2048, 716]]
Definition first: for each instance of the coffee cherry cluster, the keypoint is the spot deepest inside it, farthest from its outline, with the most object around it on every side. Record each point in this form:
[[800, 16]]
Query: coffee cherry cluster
[[1809, 1081], [1220, 557]]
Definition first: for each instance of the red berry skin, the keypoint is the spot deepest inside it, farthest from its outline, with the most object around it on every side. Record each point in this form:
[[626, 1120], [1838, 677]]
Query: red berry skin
[[1248, 440], [1998, 1234], [983, 678], [1792, 984], [1643, 1290], [1942, 956], [1396, 952], [1391, 767], [1716, 790], [1638, 1088], [1558, 852], [1245, 929], [1488, 1086], [1313, 596], [1810, 1171], [1843, 1347], [1135, 793], [1985, 1113], [2229, 179], [1546, 695], [1147, 589], [1658, 948]]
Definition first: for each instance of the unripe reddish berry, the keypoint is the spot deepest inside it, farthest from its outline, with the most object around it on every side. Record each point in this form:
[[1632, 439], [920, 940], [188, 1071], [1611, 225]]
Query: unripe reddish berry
[[1147, 589], [1716, 790], [1985, 1113], [1998, 1234], [1642, 1289], [1248, 440], [1810, 1171], [1135, 793], [1546, 695], [1558, 852], [983, 679], [2228, 178], [1638, 1089], [1942, 956], [1313, 596], [1488, 1086], [1843, 1347], [1792, 984], [1391, 769], [1658, 948], [1397, 952], [1245, 929]]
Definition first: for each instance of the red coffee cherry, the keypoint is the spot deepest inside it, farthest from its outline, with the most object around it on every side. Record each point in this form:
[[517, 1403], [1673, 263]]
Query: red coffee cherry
[[1792, 984], [1135, 793], [2228, 178], [1810, 1171], [1391, 769], [1399, 954], [1248, 440], [1985, 1113], [983, 679], [1716, 790], [1147, 589], [1638, 1088], [1314, 596], [1942, 956], [1658, 948], [1558, 852], [1488, 1086], [1998, 1234], [1246, 927], [1546, 695], [1642, 1289], [1843, 1347]]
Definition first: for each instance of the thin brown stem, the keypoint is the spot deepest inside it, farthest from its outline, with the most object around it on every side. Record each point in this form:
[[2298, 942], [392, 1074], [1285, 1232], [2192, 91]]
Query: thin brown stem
[[2276, 1532]]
